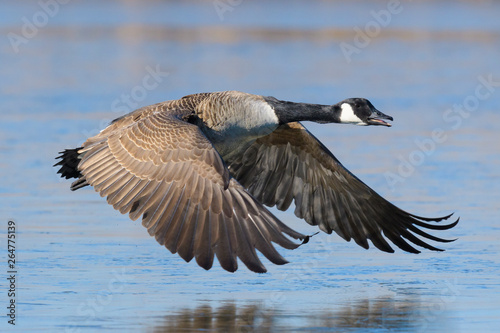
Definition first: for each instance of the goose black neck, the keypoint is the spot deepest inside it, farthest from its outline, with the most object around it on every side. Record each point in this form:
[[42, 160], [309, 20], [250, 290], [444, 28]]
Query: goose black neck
[[288, 112]]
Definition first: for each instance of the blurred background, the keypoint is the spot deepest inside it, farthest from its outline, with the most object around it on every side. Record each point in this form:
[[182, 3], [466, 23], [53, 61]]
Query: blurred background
[[69, 67]]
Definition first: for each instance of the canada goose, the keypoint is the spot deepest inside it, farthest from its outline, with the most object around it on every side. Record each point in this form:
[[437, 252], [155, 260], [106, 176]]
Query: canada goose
[[200, 170]]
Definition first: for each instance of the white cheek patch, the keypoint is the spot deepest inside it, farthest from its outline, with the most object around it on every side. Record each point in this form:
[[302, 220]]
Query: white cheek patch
[[347, 115]]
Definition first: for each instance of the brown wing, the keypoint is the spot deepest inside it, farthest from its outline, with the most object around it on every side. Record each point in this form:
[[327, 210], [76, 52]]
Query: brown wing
[[160, 167], [290, 164]]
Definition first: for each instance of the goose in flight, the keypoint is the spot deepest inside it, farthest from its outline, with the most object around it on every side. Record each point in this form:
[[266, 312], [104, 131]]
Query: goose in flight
[[200, 171]]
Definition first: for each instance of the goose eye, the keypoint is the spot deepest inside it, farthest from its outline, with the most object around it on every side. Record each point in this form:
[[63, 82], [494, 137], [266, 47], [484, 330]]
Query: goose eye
[[356, 105]]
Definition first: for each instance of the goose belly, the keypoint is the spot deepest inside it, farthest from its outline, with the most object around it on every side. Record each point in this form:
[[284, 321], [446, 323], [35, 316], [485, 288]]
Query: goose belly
[[234, 141]]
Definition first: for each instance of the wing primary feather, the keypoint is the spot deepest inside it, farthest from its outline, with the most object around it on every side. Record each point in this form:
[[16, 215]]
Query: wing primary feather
[[187, 237], [429, 236], [130, 200], [224, 249], [260, 237], [94, 153], [174, 240], [430, 219], [152, 217], [246, 250], [141, 204], [400, 242], [112, 183], [117, 197], [375, 234], [276, 235], [202, 246], [434, 226], [406, 234], [176, 223], [101, 166]]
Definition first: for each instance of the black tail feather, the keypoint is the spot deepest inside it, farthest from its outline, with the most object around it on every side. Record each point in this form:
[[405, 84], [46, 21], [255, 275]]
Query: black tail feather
[[69, 167], [81, 182]]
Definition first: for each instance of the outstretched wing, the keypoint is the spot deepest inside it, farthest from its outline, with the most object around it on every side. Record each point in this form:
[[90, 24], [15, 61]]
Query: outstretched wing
[[155, 165], [290, 164]]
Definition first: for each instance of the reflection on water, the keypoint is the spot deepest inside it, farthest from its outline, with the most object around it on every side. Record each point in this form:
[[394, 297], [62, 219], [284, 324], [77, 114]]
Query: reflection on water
[[382, 313], [225, 318]]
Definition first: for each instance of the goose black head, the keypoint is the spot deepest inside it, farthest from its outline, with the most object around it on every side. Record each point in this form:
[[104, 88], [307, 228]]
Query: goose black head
[[360, 111]]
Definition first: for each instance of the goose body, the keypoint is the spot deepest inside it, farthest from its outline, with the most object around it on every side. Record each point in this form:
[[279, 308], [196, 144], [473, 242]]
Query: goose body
[[201, 169]]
